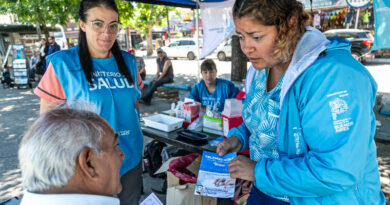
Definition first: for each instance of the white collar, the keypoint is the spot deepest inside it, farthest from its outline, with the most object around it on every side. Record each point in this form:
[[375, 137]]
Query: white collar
[[65, 199]]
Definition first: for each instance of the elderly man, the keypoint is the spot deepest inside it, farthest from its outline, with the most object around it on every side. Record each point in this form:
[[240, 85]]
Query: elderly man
[[70, 156]]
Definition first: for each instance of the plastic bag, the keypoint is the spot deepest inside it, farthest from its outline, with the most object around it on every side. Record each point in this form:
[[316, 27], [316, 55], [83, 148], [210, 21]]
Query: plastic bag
[[178, 167], [196, 125]]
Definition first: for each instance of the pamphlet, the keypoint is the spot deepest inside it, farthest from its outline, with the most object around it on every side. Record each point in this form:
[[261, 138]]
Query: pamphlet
[[152, 199], [213, 178]]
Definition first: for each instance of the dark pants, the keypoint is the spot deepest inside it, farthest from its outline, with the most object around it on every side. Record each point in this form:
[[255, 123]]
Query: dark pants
[[256, 197], [153, 87], [143, 75], [131, 186]]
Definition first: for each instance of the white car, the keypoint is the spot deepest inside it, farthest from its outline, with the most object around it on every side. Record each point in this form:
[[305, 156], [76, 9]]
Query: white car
[[182, 48], [143, 45], [224, 51]]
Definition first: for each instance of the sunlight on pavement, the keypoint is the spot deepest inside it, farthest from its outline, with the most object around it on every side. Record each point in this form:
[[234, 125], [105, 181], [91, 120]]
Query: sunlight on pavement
[[7, 108]]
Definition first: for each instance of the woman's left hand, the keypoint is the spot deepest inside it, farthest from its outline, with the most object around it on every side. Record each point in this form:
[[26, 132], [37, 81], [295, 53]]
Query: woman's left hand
[[242, 167]]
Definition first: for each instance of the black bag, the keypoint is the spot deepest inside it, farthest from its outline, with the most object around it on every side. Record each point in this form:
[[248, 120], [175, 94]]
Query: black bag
[[40, 68], [152, 157]]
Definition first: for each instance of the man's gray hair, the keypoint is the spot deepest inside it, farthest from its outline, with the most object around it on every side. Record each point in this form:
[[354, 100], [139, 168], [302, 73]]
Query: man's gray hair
[[49, 149]]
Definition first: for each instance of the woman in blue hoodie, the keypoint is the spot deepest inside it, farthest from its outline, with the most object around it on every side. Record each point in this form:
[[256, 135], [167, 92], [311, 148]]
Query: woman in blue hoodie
[[308, 115]]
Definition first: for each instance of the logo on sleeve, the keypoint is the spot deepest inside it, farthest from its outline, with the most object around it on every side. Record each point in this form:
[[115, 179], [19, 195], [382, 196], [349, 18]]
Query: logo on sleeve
[[339, 109]]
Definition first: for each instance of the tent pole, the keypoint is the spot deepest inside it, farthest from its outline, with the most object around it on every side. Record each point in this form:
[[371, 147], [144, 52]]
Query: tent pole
[[357, 18], [197, 39]]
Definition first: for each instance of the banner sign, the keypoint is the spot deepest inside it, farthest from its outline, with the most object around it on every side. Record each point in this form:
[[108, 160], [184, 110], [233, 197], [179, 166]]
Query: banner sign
[[320, 4], [18, 56], [358, 3], [218, 24], [382, 24]]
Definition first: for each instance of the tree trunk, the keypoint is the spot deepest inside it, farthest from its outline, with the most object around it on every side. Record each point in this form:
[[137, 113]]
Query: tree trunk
[[46, 31], [149, 47], [39, 33], [239, 61]]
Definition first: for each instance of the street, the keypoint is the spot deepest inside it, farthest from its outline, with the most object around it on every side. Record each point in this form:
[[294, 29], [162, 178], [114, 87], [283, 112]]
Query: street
[[20, 107]]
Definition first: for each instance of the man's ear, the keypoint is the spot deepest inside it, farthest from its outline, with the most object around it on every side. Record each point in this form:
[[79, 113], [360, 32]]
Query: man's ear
[[86, 164], [82, 25]]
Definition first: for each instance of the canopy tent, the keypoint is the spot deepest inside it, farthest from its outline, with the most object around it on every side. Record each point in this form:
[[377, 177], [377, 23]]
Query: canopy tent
[[309, 4], [178, 3], [193, 4]]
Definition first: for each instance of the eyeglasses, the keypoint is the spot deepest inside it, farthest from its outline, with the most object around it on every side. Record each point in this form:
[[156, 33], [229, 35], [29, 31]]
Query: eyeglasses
[[100, 26]]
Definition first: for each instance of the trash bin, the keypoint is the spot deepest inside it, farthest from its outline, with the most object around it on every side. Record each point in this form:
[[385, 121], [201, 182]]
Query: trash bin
[[178, 167]]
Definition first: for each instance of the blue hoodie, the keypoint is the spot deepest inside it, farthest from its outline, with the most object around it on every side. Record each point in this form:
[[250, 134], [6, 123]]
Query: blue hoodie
[[326, 128]]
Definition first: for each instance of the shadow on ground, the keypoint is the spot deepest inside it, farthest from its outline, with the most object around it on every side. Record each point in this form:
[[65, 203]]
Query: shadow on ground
[[18, 109]]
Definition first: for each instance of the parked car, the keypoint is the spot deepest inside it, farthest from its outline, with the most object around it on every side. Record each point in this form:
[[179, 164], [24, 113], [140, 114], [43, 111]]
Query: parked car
[[382, 53], [182, 48], [143, 45], [361, 41], [224, 51]]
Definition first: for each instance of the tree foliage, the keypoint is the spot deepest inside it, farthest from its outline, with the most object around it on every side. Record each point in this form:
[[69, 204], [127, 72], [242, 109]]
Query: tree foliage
[[140, 16], [40, 12], [146, 17], [126, 12]]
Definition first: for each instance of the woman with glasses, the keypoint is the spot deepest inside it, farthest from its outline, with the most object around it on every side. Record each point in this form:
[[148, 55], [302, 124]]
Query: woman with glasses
[[98, 72], [308, 113]]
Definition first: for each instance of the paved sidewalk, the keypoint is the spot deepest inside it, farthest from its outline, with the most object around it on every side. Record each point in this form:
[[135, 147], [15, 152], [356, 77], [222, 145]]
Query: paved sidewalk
[[20, 107]]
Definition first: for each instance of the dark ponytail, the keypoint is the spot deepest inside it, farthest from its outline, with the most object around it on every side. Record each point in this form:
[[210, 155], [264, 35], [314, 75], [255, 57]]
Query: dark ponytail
[[121, 62], [84, 55]]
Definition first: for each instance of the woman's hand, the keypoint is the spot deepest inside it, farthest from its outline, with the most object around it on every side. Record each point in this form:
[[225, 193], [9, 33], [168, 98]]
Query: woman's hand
[[242, 167], [231, 144]]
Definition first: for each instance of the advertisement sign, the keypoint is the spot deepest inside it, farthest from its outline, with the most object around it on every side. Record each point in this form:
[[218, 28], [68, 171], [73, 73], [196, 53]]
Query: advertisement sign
[[320, 4], [19, 64], [358, 3], [382, 24], [18, 56]]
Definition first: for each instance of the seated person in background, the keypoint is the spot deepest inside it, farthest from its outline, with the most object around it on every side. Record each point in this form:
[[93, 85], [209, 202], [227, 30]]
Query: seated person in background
[[164, 75], [212, 91], [78, 163], [140, 64]]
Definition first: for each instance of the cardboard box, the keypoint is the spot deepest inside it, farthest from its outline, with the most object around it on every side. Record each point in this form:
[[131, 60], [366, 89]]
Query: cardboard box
[[230, 122], [178, 194], [184, 194]]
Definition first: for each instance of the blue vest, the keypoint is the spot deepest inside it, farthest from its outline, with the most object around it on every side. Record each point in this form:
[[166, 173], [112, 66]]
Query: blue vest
[[114, 97]]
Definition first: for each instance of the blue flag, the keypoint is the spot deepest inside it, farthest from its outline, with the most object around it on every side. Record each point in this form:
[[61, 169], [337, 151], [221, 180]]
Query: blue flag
[[382, 24]]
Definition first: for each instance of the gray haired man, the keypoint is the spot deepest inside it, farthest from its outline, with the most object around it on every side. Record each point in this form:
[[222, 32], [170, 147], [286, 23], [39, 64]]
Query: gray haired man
[[70, 156]]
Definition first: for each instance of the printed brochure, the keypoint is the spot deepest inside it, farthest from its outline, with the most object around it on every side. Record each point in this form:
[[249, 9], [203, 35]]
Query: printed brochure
[[213, 178]]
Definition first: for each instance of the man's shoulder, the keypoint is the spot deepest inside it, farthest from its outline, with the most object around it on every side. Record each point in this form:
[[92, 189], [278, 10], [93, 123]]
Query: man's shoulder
[[166, 58], [200, 84], [224, 82], [62, 199]]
